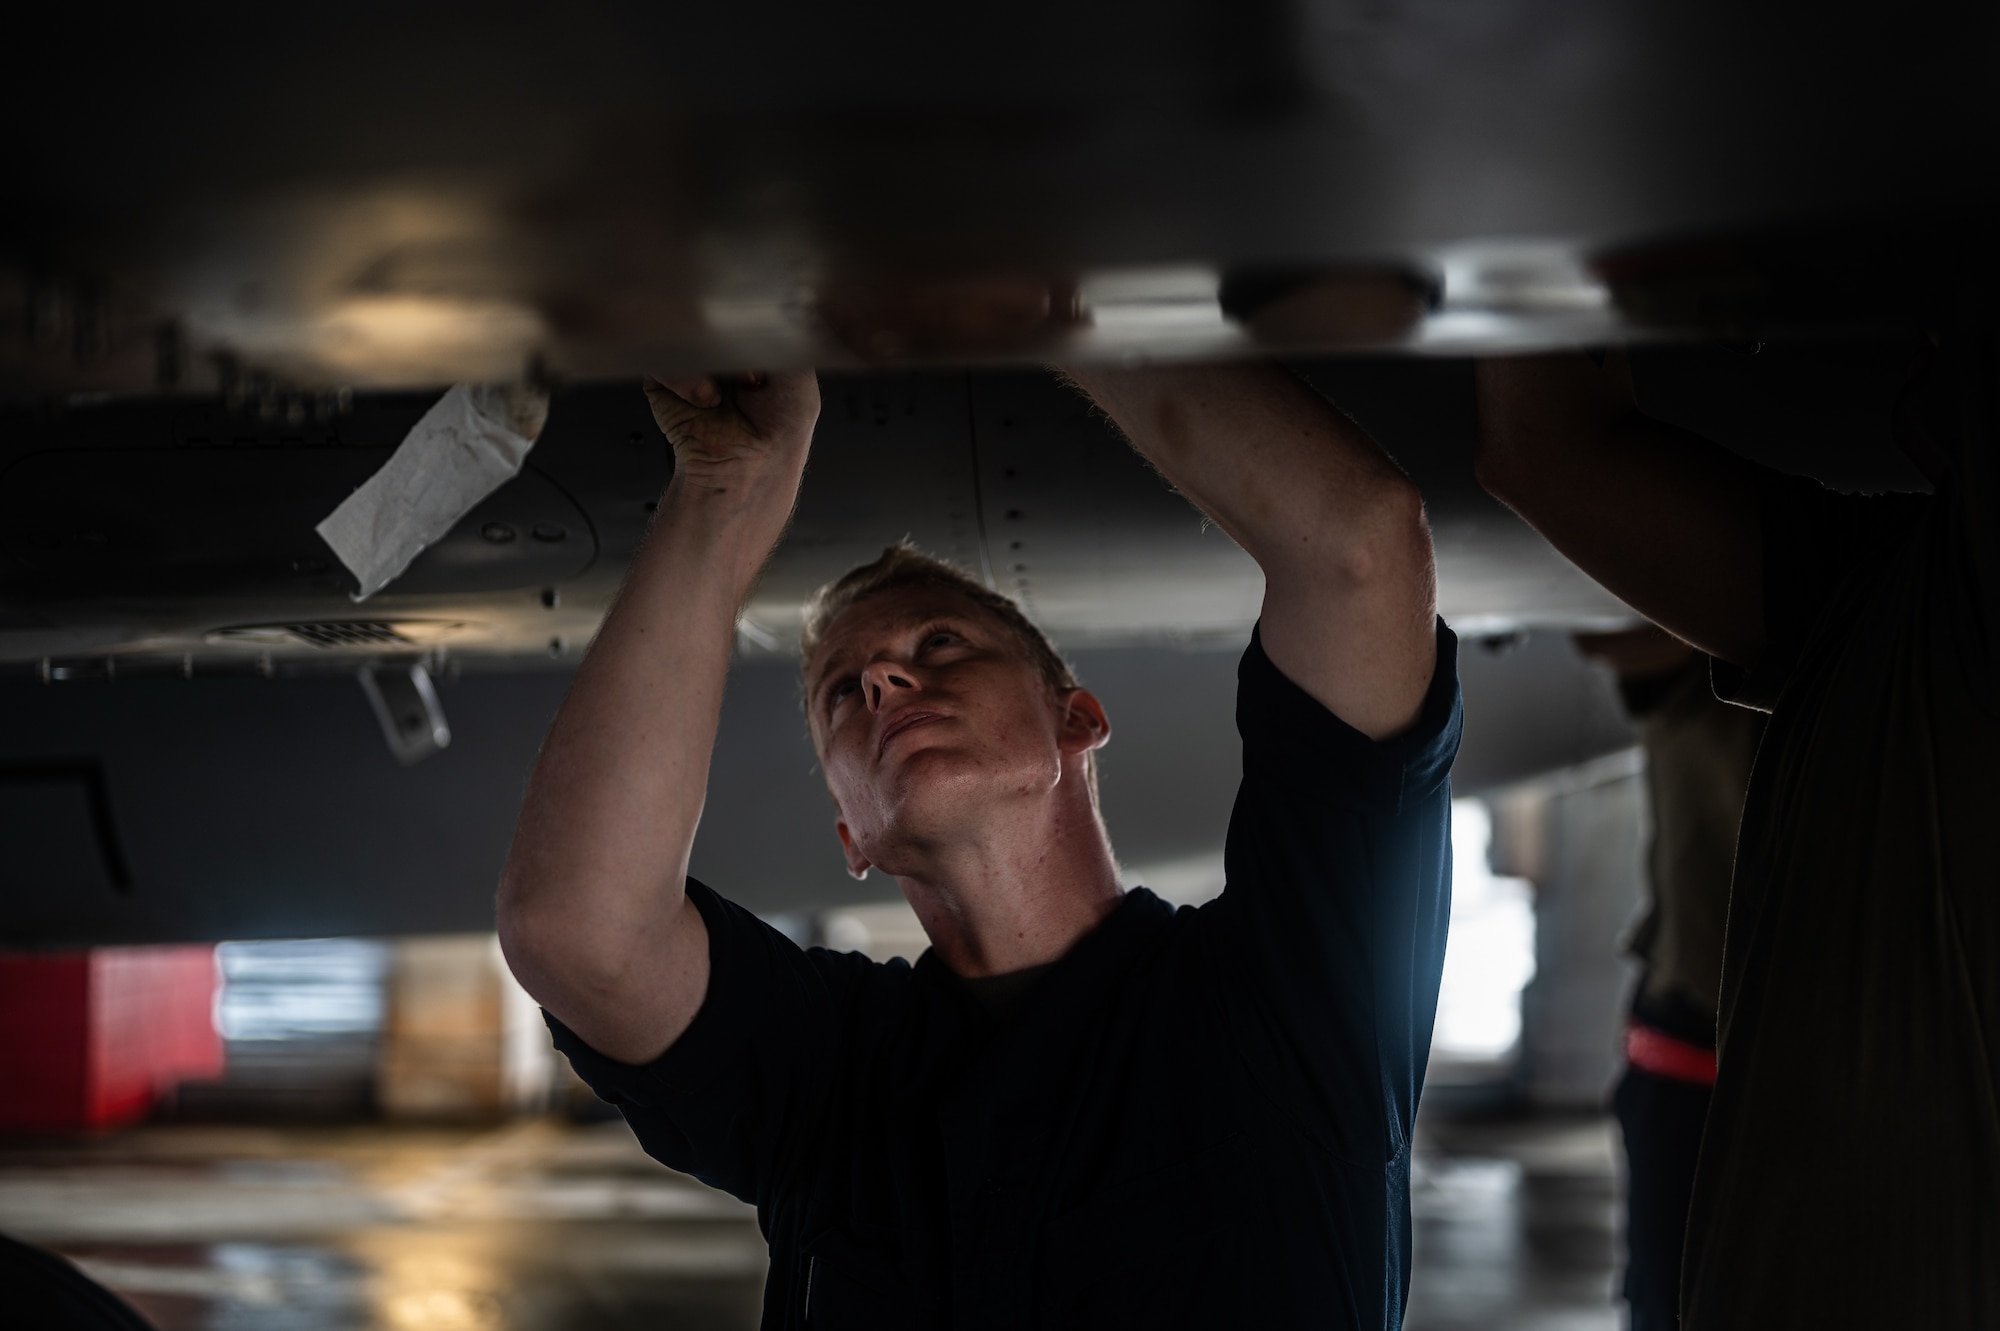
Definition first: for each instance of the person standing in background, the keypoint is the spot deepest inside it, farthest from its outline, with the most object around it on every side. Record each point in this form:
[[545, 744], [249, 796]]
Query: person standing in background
[[1698, 756], [1850, 1165]]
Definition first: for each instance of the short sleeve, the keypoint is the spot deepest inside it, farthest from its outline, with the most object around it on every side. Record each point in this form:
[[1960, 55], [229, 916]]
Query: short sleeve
[[1817, 546], [1330, 932], [728, 1101]]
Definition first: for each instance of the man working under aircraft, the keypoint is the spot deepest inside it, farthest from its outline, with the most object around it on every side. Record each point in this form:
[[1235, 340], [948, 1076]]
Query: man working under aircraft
[[1850, 1169], [1079, 1108]]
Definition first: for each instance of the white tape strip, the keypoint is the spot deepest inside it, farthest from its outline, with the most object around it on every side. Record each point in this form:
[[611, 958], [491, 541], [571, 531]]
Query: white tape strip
[[464, 448]]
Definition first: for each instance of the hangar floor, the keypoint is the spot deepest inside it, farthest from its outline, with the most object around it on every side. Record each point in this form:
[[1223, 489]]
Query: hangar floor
[[543, 1226]]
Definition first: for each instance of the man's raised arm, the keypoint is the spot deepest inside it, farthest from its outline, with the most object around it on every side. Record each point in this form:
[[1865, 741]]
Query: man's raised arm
[[1349, 585], [1665, 520], [594, 916]]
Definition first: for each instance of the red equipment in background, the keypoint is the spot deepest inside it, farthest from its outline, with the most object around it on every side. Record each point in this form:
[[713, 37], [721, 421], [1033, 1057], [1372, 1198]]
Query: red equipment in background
[[91, 1040]]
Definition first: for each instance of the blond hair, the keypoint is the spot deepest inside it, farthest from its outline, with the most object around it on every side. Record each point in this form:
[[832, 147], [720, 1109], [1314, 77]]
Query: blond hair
[[902, 566]]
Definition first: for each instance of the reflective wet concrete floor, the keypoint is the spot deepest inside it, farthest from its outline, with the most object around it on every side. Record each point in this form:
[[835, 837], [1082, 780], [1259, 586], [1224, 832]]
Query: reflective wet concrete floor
[[1516, 1226], [542, 1226]]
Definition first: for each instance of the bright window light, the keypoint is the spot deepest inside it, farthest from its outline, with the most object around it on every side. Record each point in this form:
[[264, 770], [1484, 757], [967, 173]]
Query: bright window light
[[301, 988], [1490, 956]]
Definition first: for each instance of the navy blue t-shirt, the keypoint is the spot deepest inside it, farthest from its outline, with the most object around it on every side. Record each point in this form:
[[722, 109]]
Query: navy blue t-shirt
[[1197, 1118]]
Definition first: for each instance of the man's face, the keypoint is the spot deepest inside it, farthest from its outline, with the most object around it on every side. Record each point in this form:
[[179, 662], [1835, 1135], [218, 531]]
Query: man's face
[[928, 715]]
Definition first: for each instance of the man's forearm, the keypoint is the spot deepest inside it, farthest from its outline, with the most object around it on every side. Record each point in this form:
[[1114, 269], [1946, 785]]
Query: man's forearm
[[1290, 479], [1666, 521], [596, 875], [1336, 527]]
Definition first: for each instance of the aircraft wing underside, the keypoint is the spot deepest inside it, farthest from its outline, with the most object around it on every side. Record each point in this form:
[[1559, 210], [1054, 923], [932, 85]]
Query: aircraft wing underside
[[243, 252]]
